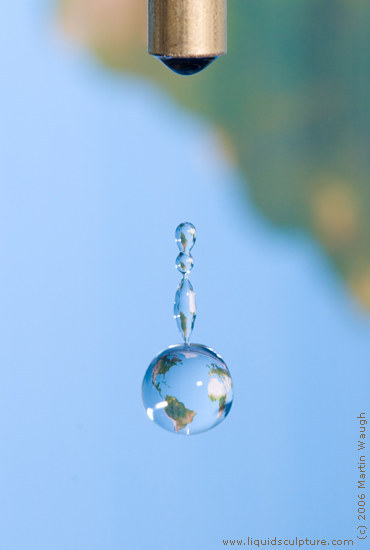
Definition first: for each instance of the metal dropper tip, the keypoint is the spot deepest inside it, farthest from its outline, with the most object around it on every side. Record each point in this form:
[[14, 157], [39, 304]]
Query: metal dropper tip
[[187, 35]]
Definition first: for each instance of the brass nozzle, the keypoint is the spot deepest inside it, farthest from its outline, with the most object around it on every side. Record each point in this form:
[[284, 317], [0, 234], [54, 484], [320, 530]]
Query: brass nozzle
[[187, 35]]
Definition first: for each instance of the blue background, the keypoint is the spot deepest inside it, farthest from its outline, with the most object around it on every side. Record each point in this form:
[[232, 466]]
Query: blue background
[[96, 171]]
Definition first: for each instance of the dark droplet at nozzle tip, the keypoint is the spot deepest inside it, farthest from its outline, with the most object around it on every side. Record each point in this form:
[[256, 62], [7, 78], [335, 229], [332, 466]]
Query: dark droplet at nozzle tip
[[186, 66]]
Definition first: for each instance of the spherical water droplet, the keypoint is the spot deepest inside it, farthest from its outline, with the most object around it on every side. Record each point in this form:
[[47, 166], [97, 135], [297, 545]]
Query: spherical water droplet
[[185, 236], [187, 389], [184, 262]]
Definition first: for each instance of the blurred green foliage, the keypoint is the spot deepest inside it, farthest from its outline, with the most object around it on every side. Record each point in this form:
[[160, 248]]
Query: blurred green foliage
[[291, 102]]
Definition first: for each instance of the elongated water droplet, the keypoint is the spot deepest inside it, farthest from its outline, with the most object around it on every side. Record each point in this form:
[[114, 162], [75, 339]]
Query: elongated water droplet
[[185, 308], [185, 236]]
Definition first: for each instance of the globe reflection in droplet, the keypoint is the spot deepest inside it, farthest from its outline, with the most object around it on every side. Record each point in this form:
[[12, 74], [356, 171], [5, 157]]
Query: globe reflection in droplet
[[187, 389]]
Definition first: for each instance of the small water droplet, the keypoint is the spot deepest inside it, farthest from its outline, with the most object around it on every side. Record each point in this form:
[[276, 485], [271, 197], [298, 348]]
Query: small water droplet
[[185, 236], [184, 263]]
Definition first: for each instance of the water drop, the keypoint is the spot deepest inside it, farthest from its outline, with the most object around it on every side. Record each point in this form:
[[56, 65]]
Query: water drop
[[187, 388], [184, 263], [186, 66], [185, 236], [184, 308]]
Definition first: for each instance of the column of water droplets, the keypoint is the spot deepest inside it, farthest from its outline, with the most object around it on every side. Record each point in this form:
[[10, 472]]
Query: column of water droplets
[[184, 306]]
